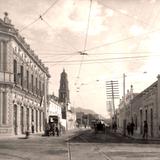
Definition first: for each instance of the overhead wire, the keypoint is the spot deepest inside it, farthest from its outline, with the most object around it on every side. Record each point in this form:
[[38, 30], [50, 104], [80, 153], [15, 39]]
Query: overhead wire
[[44, 13], [127, 38], [57, 34], [104, 59], [121, 40], [86, 39]]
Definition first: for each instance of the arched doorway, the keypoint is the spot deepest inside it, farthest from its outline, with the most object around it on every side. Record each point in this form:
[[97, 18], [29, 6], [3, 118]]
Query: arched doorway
[[21, 119]]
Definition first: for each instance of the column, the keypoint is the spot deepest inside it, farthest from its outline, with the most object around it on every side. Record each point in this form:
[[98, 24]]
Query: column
[[1, 103], [4, 107]]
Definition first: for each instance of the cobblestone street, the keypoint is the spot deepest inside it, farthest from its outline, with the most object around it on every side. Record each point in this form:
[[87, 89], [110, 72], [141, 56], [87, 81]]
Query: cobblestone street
[[78, 145]]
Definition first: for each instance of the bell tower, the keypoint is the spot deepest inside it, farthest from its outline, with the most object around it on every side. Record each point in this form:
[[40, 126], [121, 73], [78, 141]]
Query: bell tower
[[63, 90]]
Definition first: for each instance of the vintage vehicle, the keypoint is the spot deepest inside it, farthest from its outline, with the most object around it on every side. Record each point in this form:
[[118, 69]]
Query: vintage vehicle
[[99, 127], [53, 126]]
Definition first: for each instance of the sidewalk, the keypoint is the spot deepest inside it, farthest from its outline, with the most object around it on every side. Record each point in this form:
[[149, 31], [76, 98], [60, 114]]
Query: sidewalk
[[137, 136]]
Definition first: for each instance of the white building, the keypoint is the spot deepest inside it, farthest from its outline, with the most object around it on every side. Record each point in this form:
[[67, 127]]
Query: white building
[[23, 83], [54, 109]]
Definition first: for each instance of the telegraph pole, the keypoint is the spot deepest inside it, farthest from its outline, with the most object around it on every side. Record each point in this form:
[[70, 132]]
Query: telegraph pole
[[124, 87], [112, 91], [124, 103]]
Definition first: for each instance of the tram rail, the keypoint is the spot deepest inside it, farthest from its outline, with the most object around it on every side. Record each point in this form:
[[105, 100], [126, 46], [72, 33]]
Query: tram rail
[[84, 139]]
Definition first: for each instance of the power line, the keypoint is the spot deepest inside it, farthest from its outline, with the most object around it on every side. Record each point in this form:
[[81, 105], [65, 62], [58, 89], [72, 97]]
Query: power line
[[54, 53], [29, 24], [34, 21], [58, 34], [104, 59], [45, 12], [86, 38], [85, 42], [100, 62], [121, 40]]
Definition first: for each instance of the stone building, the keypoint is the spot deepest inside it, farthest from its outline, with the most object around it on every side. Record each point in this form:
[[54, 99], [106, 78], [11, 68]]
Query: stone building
[[23, 83], [123, 113], [144, 106]]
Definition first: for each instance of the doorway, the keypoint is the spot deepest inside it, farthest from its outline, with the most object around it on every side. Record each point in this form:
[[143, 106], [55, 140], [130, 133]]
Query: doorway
[[15, 119]]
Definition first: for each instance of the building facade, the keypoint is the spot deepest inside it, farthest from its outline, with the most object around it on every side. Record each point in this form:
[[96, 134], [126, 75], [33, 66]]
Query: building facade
[[54, 109], [144, 106], [123, 113], [23, 84]]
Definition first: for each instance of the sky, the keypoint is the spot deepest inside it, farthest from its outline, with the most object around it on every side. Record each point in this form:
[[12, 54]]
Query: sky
[[95, 41]]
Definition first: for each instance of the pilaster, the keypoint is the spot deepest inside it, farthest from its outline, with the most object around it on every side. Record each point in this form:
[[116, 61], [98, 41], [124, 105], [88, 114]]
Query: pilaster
[[158, 106]]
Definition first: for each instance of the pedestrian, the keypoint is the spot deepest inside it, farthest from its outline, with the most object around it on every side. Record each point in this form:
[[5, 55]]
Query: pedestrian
[[27, 134], [129, 128], [145, 130], [47, 129], [132, 125], [32, 127], [114, 126], [57, 129]]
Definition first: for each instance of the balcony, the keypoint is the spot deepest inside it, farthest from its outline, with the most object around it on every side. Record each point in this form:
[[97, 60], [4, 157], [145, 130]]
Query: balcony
[[6, 78]]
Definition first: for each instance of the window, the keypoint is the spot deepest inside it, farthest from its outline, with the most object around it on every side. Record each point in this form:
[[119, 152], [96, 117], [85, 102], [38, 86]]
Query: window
[[22, 76], [15, 71], [43, 89], [32, 87], [40, 88], [3, 55], [36, 85], [27, 80]]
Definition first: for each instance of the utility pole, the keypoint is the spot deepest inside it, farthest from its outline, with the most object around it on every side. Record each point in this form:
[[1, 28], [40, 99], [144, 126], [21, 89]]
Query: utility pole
[[124, 87], [124, 103], [112, 91]]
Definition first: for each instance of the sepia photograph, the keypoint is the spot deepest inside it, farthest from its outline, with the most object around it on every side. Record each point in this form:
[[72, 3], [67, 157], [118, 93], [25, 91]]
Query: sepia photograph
[[80, 80]]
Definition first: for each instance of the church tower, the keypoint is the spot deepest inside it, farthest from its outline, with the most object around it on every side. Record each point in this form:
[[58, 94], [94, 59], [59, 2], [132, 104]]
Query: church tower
[[63, 90]]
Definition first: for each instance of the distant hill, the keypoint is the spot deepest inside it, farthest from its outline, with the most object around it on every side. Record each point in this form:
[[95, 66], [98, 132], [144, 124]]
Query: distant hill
[[86, 111]]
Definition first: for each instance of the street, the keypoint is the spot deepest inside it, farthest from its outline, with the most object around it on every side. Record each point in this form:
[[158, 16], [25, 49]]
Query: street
[[78, 145]]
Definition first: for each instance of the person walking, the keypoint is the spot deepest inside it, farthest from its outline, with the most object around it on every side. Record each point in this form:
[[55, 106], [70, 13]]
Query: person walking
[[145, 130], [32, 127]]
